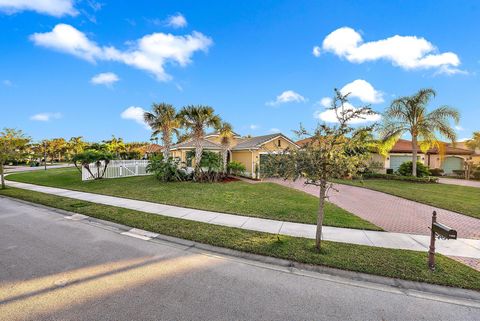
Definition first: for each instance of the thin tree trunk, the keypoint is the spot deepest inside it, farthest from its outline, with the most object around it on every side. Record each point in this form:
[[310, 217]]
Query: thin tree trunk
[[321, 214], [2, 175], [414, 156], [198, 153]]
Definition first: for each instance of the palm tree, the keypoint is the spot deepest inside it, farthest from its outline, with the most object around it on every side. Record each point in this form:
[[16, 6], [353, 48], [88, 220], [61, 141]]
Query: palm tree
[[164, 121], [474, 143], [409, 115], [196, 119], [226, 134]]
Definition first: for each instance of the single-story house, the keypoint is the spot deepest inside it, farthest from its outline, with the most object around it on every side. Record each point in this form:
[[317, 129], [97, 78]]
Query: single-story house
[[151, 149], [246, 150], [451, 159]]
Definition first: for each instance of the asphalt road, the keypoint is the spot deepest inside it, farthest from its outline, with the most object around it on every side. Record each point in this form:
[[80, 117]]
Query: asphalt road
[[53, 268]]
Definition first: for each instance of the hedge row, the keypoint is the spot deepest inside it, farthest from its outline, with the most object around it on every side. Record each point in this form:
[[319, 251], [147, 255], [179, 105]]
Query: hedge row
[[428, 179]]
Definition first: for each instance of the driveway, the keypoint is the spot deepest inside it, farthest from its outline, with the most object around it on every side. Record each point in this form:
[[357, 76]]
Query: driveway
[[54, 268], [14, 169], [392, 213], [457, 181]]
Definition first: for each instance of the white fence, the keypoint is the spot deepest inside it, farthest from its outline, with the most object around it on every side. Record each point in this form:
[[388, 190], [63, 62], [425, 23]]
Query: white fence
[[116, 169]]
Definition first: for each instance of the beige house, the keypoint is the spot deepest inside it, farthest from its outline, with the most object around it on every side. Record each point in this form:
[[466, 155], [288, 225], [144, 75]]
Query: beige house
[[246, 150], [452, 158]]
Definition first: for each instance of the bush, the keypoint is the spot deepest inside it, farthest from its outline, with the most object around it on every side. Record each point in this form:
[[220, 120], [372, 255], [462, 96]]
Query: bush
[[428, 179], [476, 174], [436, 172], [389, 170], [168, 171], [459, 172], [93, 156], [236, 168], [406, 169]]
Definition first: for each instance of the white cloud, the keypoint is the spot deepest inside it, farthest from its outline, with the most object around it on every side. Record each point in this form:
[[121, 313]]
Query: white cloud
[[459, 128], [288, 96], [316, 51], [325, 102], [254, 127], [56, 8], [46, 116], [106, 78], [7, 83], [136, 114], [149, 53], [329, 116], [274, 130], [407, 52], [177, 21], [363, 90]]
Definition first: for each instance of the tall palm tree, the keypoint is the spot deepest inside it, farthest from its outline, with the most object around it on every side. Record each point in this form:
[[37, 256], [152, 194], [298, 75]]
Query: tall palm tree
[[409, 115], [164, 121], [474, 143], [196, 119], [226, 134]]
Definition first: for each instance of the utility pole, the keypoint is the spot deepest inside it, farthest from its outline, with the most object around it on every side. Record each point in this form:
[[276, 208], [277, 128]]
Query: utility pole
[[45, 154]]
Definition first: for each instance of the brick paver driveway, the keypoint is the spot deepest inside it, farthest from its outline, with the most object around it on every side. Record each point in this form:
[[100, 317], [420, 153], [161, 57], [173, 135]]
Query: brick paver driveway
[[392, 213]]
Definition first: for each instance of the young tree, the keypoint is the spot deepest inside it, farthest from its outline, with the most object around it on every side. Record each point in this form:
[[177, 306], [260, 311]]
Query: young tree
[[409, 115], [164, 121], [196, 119], [115, 146], [13, 145], [226, 134], [96, 157], [330, 152]]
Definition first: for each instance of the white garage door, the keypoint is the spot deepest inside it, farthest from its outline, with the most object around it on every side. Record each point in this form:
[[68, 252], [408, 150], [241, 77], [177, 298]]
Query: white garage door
[[397, 160]]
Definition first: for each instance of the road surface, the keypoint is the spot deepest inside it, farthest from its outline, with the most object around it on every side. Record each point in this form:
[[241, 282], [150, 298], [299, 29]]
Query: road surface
[[54, 268]]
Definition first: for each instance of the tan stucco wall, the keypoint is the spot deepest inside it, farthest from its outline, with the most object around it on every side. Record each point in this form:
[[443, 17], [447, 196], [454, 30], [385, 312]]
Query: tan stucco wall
[[244, 157], [273, 145]]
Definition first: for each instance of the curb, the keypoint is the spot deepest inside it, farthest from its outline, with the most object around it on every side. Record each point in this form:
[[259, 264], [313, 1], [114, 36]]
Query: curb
[[404, 286]]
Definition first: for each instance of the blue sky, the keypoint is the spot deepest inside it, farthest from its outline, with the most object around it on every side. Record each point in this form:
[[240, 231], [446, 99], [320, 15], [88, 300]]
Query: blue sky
[[88, 68]]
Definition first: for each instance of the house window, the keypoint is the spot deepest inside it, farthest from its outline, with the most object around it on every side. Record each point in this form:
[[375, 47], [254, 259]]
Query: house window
[[279, 143]]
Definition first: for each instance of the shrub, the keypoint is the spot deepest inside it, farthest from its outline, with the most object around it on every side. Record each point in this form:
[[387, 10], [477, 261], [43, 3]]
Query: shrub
[[93, 156], [389, 170], [459, 172], [436, 172], [428, 179], [236, 168], [406, 169], [476, 174], [168, 171]]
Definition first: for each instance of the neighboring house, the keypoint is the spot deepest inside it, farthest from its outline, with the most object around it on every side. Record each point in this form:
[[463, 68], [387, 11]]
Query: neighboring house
[[151, 149], [451, 159], [247, 150]]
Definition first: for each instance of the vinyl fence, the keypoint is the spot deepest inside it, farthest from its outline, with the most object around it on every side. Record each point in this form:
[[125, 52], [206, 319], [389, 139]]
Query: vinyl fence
[[116, 169]]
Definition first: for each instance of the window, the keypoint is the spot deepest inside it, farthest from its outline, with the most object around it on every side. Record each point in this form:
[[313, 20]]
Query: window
[[279, 143]]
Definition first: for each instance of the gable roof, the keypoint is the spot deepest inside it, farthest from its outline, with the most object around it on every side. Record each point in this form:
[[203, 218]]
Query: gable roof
[[152, 148], [190, 144], [258, 141], [216, 133]]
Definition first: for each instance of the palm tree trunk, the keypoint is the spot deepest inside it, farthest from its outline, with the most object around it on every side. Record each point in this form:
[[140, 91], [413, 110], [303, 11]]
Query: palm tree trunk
[[166, 145], [225, 156], [2, 175], [198, 154], [414, 155], [321, 214]]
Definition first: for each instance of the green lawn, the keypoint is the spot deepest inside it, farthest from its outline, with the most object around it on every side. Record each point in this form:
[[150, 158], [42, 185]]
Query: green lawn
[[402, 264], [266, 200], [461, 199]]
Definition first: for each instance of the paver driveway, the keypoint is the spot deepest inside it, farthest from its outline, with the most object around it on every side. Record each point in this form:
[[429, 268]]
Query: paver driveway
[[392, 213], [461, 182]]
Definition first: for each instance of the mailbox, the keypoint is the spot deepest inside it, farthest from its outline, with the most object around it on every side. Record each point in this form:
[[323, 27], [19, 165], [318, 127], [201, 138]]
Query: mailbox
[[444, 231]]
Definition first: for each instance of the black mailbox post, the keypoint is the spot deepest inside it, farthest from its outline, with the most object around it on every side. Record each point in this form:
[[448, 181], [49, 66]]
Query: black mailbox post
[[443, 232]]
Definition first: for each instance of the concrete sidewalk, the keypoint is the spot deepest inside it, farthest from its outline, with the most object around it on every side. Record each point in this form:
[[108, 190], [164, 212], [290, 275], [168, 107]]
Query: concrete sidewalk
[[468, 248]]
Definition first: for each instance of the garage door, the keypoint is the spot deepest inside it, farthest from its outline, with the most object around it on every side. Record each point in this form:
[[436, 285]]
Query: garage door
[[397, 160], [452, 163]]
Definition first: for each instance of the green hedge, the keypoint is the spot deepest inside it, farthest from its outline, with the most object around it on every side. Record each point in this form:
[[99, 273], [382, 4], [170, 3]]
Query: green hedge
[[428, 179]]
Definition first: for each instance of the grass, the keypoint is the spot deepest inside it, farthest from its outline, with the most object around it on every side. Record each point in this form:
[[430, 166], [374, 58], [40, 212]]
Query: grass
[[402, 264], [265, 200], [461, 199]]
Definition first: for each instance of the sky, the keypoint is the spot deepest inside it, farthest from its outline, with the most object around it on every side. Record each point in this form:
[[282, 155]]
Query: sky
[[90, 68]]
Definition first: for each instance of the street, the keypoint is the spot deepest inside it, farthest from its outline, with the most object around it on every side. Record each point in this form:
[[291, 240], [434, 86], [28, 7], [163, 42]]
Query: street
[[53, 268]]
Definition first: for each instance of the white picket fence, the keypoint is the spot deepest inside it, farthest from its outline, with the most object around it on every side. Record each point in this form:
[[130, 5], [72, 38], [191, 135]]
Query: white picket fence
[[117, 168]]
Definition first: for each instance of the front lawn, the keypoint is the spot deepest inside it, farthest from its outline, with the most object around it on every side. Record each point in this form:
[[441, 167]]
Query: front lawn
[[266, 200], [461, 199], [402, 264]]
